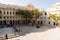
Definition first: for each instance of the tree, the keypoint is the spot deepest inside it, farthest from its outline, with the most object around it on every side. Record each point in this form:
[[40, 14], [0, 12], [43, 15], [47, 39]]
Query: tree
[[36, 13], [25, 13], [20, 12], [28, 14], [55, 17]]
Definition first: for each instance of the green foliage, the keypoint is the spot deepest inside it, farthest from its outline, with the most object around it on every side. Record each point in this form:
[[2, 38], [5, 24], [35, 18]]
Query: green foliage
[[20, 12], [55, 17], [28, 15], [25, 13], [36, 13]]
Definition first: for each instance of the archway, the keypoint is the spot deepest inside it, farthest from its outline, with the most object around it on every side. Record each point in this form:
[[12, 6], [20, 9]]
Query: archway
[[41, 22], [11, 21], [54, 24], [4, 22], [0, 22]]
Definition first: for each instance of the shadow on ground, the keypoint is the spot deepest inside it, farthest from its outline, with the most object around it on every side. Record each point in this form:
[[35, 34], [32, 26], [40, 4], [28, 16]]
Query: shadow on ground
[[32, 29], [24, 30]]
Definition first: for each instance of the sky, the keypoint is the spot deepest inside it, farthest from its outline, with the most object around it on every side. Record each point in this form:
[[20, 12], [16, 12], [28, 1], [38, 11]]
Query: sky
[[37, 3]]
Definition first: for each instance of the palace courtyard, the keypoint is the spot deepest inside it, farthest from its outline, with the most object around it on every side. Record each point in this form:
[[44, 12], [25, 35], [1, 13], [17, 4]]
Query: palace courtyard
[[33, 33]]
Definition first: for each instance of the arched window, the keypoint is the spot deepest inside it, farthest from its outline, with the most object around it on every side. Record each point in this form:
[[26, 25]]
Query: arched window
[[10, 13], [13, 12], [49, 22], [41, 22], [4, 17], [45, 13], [7, 12], [54, 23], [16, 12], [4, 12]]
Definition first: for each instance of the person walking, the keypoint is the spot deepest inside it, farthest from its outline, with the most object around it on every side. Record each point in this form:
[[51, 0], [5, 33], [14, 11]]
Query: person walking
[[6, 37]]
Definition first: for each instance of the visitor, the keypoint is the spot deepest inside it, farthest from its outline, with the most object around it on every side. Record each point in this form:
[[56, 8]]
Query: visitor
[[6, 37]]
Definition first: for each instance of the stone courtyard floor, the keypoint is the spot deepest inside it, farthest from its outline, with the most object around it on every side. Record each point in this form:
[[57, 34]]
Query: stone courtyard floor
[[42, 33]]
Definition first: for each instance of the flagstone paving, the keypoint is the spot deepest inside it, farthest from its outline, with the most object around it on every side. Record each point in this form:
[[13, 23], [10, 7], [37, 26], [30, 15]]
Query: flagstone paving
[[42, 33]]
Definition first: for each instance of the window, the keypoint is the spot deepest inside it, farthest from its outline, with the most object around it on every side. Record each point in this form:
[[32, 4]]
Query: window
[[10, 13], [54, 23], [10, 17], [7, 17], [16, 12], [41, 22], [13, 12], [0, 17], [45, 13], [4, 12], [13, 17], [7, 12], [0, 12], [4, 17], [49, 22]]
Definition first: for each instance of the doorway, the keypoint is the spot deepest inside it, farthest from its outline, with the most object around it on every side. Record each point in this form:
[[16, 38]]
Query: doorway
[[41, 22]]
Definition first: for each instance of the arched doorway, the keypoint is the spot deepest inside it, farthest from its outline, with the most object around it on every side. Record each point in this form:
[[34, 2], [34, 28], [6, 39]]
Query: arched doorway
[[41, 22], [0, 22], [54, 24], [4, 22], [18, 22], [11, 22], [38, 22]]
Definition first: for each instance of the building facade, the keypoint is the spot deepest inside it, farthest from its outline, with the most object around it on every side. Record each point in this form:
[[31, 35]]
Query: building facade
[[8, 14], [45, 18], [55, 9]]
